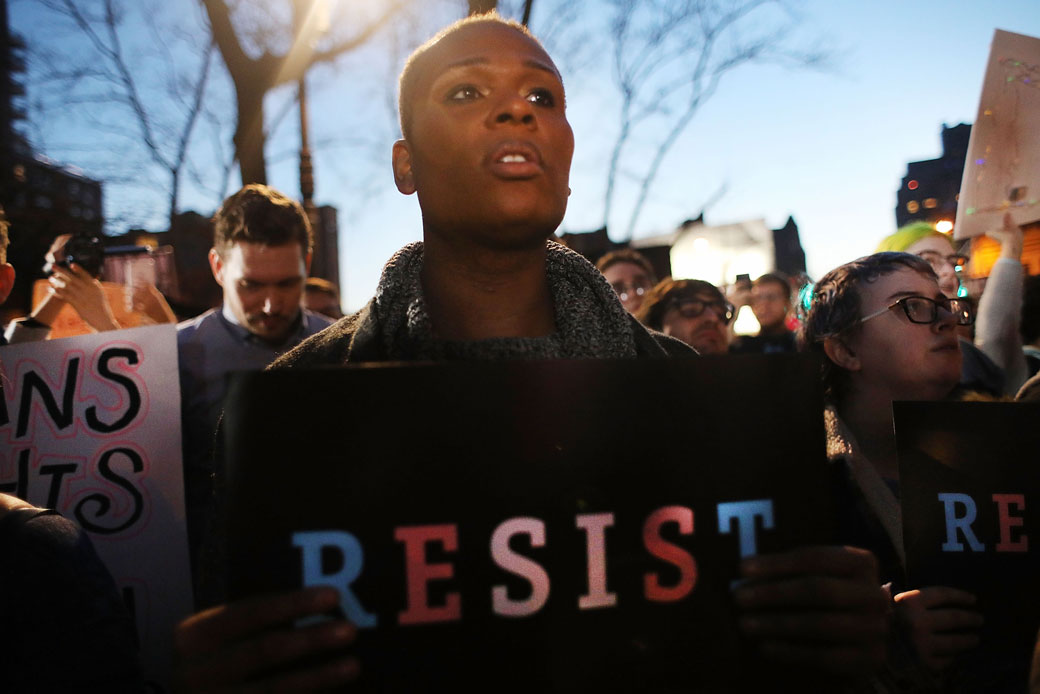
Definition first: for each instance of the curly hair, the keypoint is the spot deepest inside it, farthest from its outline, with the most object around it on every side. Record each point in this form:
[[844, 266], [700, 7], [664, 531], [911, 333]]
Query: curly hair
[[667, 293], [836, 308]]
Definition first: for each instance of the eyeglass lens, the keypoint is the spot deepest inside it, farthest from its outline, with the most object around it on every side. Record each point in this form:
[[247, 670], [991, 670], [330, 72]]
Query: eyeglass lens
[[938, 260], [627, 291], [694, 308], [921, 309]]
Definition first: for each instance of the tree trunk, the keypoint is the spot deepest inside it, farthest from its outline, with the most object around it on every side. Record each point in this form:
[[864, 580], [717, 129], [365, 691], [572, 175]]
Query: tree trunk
[[249, 134], [527, 12]]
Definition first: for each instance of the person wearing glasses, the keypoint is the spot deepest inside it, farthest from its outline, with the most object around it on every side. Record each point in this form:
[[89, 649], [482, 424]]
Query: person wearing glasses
[[887, 332], [994, 362], [694, 311], [629, 274]]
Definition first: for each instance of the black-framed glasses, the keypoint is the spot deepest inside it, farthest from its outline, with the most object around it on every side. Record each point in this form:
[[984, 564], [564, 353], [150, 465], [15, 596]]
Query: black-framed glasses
[[925, 311], [627, 291], [691, 308]]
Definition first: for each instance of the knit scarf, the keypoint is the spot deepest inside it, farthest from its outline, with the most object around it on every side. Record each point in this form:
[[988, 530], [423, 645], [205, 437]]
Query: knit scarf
[[590, 321]]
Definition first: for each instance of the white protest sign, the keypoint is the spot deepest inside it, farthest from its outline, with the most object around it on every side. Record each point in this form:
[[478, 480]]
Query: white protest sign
[[1002, 171], [90, 426]]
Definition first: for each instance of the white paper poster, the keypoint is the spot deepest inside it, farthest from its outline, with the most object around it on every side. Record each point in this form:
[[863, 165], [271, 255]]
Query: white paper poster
[[90, 427], [1002, 171]]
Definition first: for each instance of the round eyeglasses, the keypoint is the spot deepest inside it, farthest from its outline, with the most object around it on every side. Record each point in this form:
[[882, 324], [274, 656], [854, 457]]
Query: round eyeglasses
[[925, 311]]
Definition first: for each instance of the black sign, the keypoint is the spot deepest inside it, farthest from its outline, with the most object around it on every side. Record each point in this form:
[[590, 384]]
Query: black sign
[[970, 487], [556, 526]]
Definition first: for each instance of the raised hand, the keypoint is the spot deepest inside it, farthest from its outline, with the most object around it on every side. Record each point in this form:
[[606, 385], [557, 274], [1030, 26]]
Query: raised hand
[[76, 287]]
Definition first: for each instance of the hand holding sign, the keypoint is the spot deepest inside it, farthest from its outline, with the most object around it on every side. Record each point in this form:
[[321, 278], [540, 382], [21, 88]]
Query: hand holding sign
[[819, 606], [939, 623], [246, 645], [1010, 238]]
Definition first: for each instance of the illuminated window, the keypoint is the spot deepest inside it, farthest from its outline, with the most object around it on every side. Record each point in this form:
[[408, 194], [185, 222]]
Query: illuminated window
[[912, 185], [912, 207], [931, 203]]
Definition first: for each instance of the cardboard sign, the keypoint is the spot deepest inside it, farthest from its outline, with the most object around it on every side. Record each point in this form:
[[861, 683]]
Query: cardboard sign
[[1001, 173], [550, 526], [971, 520], [89, 426]]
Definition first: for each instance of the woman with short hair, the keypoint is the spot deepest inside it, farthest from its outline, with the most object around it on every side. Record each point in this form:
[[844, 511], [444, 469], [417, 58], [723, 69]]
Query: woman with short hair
[[887, 332]]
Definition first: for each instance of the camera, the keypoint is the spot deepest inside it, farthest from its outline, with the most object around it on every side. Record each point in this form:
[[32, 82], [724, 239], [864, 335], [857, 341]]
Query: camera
[[85, 250]]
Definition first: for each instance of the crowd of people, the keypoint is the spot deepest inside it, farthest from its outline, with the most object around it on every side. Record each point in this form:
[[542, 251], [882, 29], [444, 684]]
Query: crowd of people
[[487, 148]]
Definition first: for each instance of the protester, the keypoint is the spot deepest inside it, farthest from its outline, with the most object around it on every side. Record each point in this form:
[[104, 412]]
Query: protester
[[629, 274], [886, 332], [771, 304], [487, 147], [694, 311], [321, 296], [70, 284], [994, 364], [261, 253], [62, 624]]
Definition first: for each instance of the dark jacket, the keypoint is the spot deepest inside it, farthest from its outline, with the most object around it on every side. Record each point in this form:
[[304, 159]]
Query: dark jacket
[[357, 338]]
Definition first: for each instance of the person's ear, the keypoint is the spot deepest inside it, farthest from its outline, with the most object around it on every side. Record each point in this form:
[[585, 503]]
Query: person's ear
[[307, 264], [841, 354], [216, 265], [6, 280], [402, 161]]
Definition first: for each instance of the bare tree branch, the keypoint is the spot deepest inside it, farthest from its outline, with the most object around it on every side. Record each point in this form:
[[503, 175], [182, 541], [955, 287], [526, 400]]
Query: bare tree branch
[[114, 75], [253, 78], [668, 59]]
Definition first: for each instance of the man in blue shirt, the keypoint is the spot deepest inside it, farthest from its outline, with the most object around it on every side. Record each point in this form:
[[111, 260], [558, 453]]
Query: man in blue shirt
[[261, 254]]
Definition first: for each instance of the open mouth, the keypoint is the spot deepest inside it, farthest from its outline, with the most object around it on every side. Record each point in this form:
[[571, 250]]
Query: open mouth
[[515, 160]]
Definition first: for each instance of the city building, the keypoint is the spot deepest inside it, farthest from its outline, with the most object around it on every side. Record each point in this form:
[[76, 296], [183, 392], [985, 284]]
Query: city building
[[929, 188], [716, 254]]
